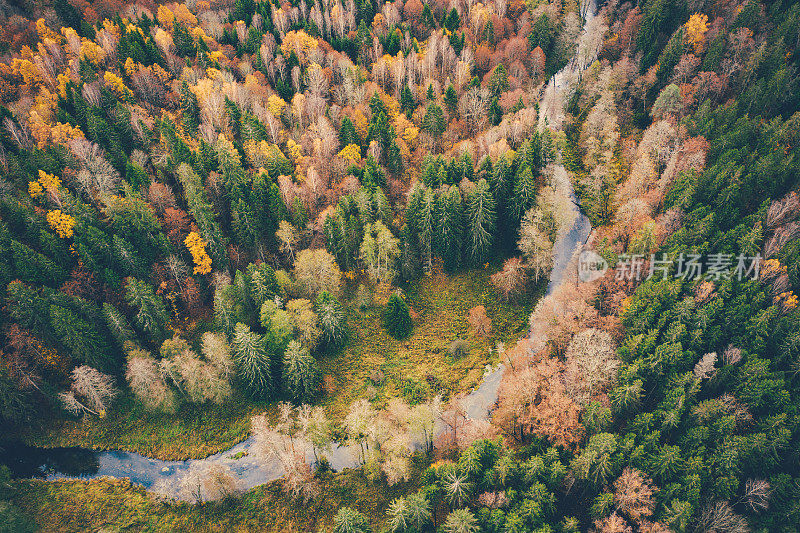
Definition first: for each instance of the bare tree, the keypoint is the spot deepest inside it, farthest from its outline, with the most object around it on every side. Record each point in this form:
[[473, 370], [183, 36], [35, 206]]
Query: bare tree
[[756, 494], [95, 389], [146, 381], [591, 364], [208, 482], [511, 280], [633, 494], [719, 517], [285, 443]]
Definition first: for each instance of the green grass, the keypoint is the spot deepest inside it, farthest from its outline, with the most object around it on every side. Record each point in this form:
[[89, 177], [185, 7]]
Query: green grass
[[420, 366], [192, 432], [116, 505], [416, 368]]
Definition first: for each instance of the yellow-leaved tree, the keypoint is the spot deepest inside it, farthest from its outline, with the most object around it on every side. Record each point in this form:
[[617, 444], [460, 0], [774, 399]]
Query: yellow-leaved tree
[[351, 152], [275, 104], [197, 247], [62, 223], [696, 28]]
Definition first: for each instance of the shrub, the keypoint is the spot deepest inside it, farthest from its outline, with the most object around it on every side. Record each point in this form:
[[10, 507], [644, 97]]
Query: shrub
[[396, 317], [458, 348]]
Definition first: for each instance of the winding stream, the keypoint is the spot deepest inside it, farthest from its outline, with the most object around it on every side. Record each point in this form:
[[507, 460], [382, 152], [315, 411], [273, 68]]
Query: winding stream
[[164, 477]]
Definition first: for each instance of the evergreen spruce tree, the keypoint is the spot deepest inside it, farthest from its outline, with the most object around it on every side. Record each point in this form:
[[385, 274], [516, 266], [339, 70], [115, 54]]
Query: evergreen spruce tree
[[396, 317], [151, 315], [28, 308], [332, 318], [136, 176], [482, 219], [406, 101], [204, 214], [348, 134], [333, 229], [382, 207], [498, 82], [433, 122], [190, 109], [451, 228], [127, 258], [467, 166], [263, 283], [252, 361], [81, 338], [117, 325], [224, 309], [300, 373], [425, 226], [349, 520], [451, 100], [451, 20], [524, 193], [409, 255], [33, 267], [243, 223]]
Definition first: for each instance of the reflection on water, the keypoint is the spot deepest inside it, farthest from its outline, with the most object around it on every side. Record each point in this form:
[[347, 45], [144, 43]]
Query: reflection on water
[[164, 477], [32, 462]]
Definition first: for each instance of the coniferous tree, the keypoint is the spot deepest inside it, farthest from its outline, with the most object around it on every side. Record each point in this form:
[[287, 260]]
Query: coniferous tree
[[347, 133], [80, 337], [332, 318], [524, 193], [425, 227], [498, 83], [300, 373], [467, 166], [151, 315], [117, 325], [451, 100], [378, 252], [204, 214], [136, 176], [127, 258], [225, 315], [396, 317], [263, 283], [190, 108], [451, 228], [349, 520], [33, 267], [252, 361], [433, 122], [482, 219], [15, 406], [406, 101], [333, 229]]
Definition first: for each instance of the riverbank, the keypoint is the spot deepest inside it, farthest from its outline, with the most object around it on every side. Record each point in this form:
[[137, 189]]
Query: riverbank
[[116, 505], [415, 368]]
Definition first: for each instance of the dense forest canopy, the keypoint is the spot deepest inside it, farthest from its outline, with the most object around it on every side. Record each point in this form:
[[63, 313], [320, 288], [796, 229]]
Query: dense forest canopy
[[202, 203]]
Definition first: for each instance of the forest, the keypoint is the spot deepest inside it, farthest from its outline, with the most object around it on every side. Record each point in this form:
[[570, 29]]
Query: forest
[[321, 265]]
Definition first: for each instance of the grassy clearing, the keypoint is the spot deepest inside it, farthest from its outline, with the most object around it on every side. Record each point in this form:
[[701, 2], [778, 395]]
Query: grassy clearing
[[192, 432], [116, 505], [418, 367]]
